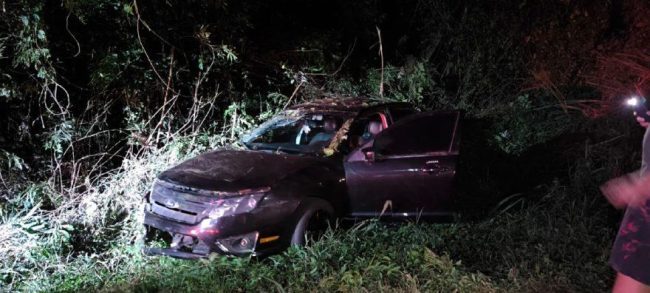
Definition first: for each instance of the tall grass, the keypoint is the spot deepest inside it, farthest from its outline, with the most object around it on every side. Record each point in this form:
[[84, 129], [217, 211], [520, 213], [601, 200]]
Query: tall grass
[[556, 243], [49, 228], [556, 238], [370, 256], [36, 243]]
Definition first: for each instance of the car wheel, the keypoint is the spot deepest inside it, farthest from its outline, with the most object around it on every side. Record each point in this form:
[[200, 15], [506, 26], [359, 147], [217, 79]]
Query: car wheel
[[314, 219]]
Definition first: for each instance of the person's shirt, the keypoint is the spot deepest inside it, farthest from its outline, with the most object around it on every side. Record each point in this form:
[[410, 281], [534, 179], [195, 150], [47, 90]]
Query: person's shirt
[[365, 138], [321, 137]]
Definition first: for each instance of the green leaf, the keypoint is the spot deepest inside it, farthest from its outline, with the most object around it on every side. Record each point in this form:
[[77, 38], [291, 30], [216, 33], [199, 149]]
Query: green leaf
[[128, 9], [41, 35], [24, 20]]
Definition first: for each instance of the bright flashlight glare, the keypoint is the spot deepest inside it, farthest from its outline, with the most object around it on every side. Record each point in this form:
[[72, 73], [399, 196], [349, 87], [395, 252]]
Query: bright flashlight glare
[[633, 101]]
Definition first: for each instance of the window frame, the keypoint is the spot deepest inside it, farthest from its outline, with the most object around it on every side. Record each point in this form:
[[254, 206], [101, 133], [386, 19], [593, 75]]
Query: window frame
[[451, 149], [395, 107]]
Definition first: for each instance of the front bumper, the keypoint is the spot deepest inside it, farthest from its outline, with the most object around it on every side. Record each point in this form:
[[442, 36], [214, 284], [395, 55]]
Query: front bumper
[[151, 251], [237, 235], [192, 226]]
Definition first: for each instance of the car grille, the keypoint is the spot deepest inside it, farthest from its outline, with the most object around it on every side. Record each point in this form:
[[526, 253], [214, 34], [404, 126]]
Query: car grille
[[173, 204]]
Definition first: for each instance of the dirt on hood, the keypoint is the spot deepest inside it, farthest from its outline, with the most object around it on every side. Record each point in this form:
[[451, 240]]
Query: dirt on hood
[[230, 170]]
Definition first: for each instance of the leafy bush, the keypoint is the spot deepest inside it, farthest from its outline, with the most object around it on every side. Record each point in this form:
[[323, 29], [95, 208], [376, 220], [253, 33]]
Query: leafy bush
[[408, 83], [523, 124]]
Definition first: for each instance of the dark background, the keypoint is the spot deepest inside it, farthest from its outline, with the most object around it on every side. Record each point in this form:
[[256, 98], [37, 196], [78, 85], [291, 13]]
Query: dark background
[[85, 84]]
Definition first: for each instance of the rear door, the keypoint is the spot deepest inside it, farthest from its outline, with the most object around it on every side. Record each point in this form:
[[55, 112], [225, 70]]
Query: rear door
[[412, 171]]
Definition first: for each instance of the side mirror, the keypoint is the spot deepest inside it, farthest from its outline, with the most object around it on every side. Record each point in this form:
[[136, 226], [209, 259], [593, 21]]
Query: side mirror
[[369, 154]]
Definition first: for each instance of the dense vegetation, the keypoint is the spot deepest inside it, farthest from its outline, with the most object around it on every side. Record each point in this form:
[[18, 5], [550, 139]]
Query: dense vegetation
[[99, 96]]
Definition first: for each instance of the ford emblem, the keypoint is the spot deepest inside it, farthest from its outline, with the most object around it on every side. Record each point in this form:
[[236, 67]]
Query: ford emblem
[[170, 203]]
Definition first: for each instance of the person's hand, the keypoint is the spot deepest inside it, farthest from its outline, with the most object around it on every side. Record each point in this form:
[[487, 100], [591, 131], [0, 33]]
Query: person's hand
[[305, 128], [642, 121], [628, 190]]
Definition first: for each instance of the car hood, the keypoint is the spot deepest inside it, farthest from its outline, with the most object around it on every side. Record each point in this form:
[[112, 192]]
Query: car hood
[[231, 171]]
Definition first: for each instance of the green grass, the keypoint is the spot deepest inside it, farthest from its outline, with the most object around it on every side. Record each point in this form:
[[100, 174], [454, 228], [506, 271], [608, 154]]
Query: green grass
[[556, 243], [559, 242], [555, 238], [369, 256]]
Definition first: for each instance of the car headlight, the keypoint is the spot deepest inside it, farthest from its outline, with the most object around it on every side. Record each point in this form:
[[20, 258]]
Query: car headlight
[[235, 205]]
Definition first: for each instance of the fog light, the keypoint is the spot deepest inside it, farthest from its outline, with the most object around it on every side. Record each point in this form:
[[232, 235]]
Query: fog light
[[240, 244]]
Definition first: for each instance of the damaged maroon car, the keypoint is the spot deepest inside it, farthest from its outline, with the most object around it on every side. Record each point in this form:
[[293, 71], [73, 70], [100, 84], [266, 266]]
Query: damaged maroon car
[[314, 162]]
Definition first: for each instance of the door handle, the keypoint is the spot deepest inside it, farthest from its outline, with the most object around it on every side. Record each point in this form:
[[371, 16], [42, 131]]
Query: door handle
[[432, 162], [431, 166]]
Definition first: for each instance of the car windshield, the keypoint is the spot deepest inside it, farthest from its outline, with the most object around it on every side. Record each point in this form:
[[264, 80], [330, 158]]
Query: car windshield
[[292, 131]]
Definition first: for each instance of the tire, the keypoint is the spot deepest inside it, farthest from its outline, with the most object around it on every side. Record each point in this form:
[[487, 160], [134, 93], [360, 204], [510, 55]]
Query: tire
[[314, 217]]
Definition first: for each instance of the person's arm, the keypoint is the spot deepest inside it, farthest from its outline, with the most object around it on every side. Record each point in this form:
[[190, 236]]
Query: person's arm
[[627, 190], [642, 121], [630, 189]]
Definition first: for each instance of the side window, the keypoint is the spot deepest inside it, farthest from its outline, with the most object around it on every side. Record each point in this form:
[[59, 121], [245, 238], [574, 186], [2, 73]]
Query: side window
[[418, 134], [359, 130], [365, 128]]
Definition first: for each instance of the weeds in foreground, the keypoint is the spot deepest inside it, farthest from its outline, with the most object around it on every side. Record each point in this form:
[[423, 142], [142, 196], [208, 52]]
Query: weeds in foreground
[[552, 245], [363, 257], [557, 240]]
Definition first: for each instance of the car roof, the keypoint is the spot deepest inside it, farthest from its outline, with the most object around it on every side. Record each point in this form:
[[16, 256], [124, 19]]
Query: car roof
[[348, 105]]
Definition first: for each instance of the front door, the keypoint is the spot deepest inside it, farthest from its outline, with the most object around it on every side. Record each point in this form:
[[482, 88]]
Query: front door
[[412, 171]]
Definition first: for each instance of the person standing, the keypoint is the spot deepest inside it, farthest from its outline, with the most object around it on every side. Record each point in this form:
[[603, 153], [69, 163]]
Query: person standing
[[630, 255]]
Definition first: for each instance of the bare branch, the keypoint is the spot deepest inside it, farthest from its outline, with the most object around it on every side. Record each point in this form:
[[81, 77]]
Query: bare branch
[[381, 54]]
